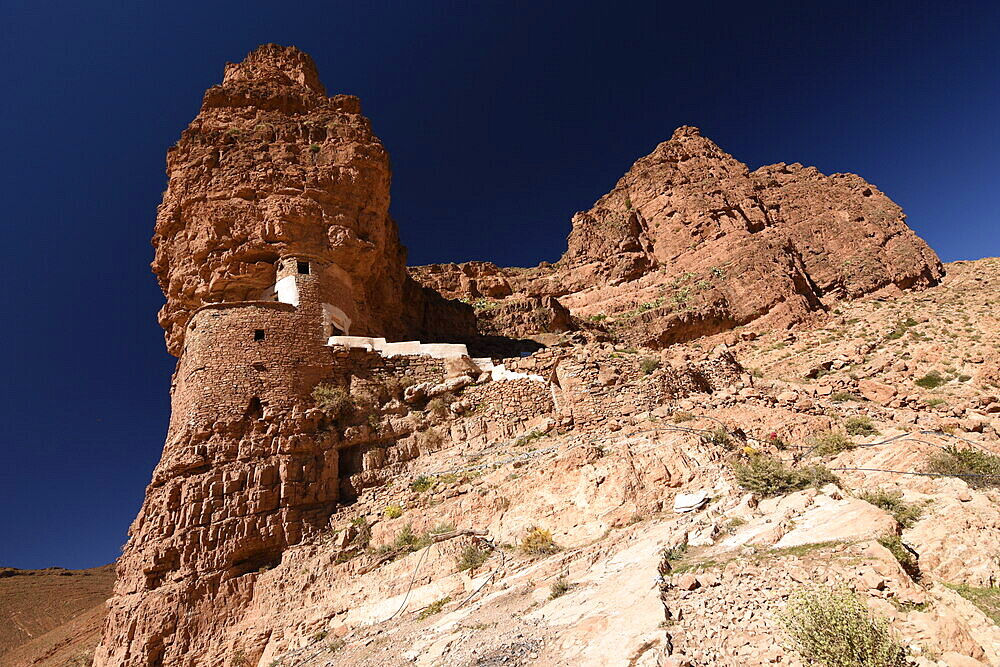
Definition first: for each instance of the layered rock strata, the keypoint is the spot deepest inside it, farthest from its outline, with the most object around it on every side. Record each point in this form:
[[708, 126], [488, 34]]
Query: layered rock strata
[[273, 236], [691, 242]]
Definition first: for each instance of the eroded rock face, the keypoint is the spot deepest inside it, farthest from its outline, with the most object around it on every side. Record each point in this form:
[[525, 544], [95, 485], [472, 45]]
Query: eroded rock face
[[274, 168], [690, 242], [273, 235]]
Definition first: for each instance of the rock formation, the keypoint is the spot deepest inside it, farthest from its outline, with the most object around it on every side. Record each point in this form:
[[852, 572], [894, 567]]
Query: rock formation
[[690, 242], [274, 168], [273, 235], [303, 429]]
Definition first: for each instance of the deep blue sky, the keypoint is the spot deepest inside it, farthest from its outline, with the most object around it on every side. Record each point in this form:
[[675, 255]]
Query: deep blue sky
[[502, 119]]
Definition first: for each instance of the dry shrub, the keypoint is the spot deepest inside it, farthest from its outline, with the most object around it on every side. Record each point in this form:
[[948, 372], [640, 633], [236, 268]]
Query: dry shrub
[[335, 401], [767, 476], [828, 443], [860, 426], [892, 502], [836, 629], [538, 542], [472, 557], [979, 469]]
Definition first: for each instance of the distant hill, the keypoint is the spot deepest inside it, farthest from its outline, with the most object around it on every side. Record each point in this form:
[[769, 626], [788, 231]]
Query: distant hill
[[52, 616]]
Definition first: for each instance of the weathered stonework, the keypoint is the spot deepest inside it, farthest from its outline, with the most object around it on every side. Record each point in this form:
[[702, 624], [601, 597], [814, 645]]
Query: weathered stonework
[[272, 240]]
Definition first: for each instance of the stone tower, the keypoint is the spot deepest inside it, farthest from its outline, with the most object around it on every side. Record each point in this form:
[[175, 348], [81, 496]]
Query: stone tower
[[273, 235]]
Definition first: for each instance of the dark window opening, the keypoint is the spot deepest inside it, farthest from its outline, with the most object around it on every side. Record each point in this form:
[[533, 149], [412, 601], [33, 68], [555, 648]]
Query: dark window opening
[[258, 334], [255, 410], [304, 268], [336, 331]]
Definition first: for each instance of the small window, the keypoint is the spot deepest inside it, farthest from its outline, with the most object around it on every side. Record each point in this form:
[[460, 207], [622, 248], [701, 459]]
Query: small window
[[304, 268], [258, 334]]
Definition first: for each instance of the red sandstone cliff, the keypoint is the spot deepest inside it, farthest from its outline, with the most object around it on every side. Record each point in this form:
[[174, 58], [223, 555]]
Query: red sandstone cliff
[[691, 242], [271, 168], [273, 235]]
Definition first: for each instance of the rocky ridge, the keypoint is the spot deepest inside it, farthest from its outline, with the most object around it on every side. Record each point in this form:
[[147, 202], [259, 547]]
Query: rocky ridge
[[690, 242]]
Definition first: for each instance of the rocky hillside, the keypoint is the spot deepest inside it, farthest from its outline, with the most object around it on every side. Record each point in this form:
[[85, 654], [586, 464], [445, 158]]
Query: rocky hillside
[[678, 535], [690, 242], [52, 616], [736, 390]]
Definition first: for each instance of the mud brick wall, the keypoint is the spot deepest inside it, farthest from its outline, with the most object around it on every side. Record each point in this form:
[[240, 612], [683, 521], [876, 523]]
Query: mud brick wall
[[236, 353]]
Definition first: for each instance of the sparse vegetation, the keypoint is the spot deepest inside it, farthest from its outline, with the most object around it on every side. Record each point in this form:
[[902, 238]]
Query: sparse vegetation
[[335, 401], [932, 380], [433, 608], [892, 502], [899, 551], [979, 469], [828, 443], [406, 541], [471, 557], [393, 511], [767, 476], [314, 148], [239, 659], [986, 598], [843, 397], [438, 407], [421, 483], [681, 417], [675, 552], [718, 436], [648, 365], [835, 628], [559, 587], [430, 439], [528, 438], [735, 524], [860, 426], [538, 542]]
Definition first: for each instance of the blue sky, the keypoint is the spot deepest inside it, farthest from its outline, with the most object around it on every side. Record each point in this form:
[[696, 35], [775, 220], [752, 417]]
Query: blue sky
[[502, 120]]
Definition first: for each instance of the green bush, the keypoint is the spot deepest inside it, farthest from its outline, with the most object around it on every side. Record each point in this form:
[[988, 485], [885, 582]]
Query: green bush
[[828, 443], [718, 436], [433, 608], [335, 401], [906, 559], [528, 438], [932, 380], [955, 462], [648, 365], [681, 417], [393, 512], [421, 483], [843, 397], [836, 629], [471, 557], [675, 552], [892, 502], [860, 426], [538, 542], [767, 476], [406, 541]]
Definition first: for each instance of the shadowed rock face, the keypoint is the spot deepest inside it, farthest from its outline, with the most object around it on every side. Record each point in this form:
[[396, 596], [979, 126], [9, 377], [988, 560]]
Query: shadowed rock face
[[691, 242], [271, 168]]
